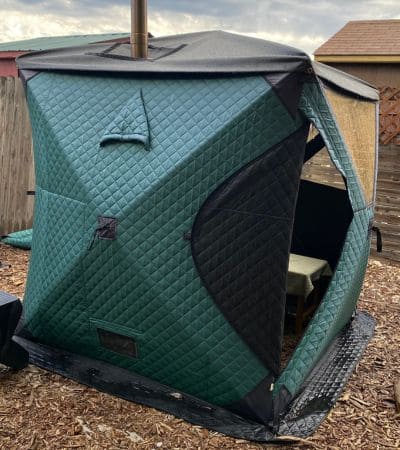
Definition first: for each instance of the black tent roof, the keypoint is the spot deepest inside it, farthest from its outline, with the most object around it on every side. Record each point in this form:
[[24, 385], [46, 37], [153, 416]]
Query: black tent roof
[[205, 52], [345, 81], [209, 52]]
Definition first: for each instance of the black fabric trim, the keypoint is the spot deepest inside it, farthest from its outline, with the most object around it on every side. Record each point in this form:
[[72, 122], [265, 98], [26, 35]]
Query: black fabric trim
[[258, 404], [163, 53], [106, 230], [132, 387], [241, 240], [345, 83], [25, 75], [107, 50], [313, 147], [288, 87], [297, 417], [326, 84], [281, 402], [168, 51]]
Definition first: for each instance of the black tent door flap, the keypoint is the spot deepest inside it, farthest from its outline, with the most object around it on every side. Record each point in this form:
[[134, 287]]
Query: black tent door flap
[[241, 240]]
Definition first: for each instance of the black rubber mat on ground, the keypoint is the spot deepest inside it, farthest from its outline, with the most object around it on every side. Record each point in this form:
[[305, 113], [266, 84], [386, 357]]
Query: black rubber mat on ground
[[321, 389], [326, 382], [130, 386]]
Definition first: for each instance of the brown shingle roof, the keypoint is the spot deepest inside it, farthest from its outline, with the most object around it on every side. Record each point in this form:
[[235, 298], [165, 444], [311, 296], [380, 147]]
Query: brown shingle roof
[[364, 37]]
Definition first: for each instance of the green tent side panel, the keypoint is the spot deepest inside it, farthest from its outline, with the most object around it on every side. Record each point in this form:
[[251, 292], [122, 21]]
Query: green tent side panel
[[152, 175], [340, 300]]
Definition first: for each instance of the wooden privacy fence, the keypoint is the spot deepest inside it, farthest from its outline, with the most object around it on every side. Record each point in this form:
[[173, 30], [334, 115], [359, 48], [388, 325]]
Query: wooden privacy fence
[[16, 160], [387, 212]]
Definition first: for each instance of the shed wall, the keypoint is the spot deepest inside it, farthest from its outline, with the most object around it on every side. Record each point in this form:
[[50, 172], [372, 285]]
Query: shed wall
[[8, 68], [376, 74]]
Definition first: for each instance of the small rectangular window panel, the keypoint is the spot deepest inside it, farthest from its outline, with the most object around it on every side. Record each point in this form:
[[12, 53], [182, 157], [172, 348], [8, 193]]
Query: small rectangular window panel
[[117, 343]]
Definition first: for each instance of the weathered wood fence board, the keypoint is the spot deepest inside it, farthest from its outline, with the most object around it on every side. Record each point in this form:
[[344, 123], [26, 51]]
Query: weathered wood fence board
[[321, 169], [387, 213], [16, 160]]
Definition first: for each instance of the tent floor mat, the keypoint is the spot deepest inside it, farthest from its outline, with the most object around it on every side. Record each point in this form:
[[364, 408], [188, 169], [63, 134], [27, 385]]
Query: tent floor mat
[[132, 387], [320, 391], [327, 380]]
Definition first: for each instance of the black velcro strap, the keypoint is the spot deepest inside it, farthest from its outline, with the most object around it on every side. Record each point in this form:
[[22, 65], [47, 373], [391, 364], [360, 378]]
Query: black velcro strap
[[313, 147], [106, 230], [378, 239]]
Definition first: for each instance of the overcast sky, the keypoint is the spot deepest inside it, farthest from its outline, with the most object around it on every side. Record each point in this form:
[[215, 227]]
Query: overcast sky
[[301, 23]]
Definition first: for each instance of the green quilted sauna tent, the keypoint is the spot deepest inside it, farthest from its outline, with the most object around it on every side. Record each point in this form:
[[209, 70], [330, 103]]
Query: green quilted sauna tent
[[168, 201]]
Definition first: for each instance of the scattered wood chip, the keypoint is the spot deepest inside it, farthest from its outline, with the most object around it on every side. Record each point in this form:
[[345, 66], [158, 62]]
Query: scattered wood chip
[[134, 437], [43, 411], [397, 394]]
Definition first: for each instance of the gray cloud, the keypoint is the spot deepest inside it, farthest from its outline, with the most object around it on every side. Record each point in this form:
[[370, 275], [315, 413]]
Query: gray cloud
[[314, 19]]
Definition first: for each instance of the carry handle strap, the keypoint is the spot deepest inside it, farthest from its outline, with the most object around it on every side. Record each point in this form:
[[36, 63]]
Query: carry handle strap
[[378, 238]]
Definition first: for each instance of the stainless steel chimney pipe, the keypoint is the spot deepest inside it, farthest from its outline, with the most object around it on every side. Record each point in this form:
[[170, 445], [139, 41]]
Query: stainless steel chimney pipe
[[139, 35]]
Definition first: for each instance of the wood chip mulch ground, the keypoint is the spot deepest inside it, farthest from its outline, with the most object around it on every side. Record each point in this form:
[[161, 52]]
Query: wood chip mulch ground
[[40, 410]]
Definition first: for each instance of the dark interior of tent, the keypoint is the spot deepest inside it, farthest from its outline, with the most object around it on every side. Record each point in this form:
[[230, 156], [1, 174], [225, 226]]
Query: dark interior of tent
[[322, 217]]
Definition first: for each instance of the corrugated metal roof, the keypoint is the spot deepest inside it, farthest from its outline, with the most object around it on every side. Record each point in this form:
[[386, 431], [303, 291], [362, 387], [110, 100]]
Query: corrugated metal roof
[[46, 43], [364, 37]]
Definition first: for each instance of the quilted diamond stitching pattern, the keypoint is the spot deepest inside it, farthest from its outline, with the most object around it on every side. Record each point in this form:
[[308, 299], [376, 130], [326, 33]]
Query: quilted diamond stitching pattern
[[340, 299], [316, 107], [327, 380], [61, 278], [337, 307], [202, 132], [130, 123]]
